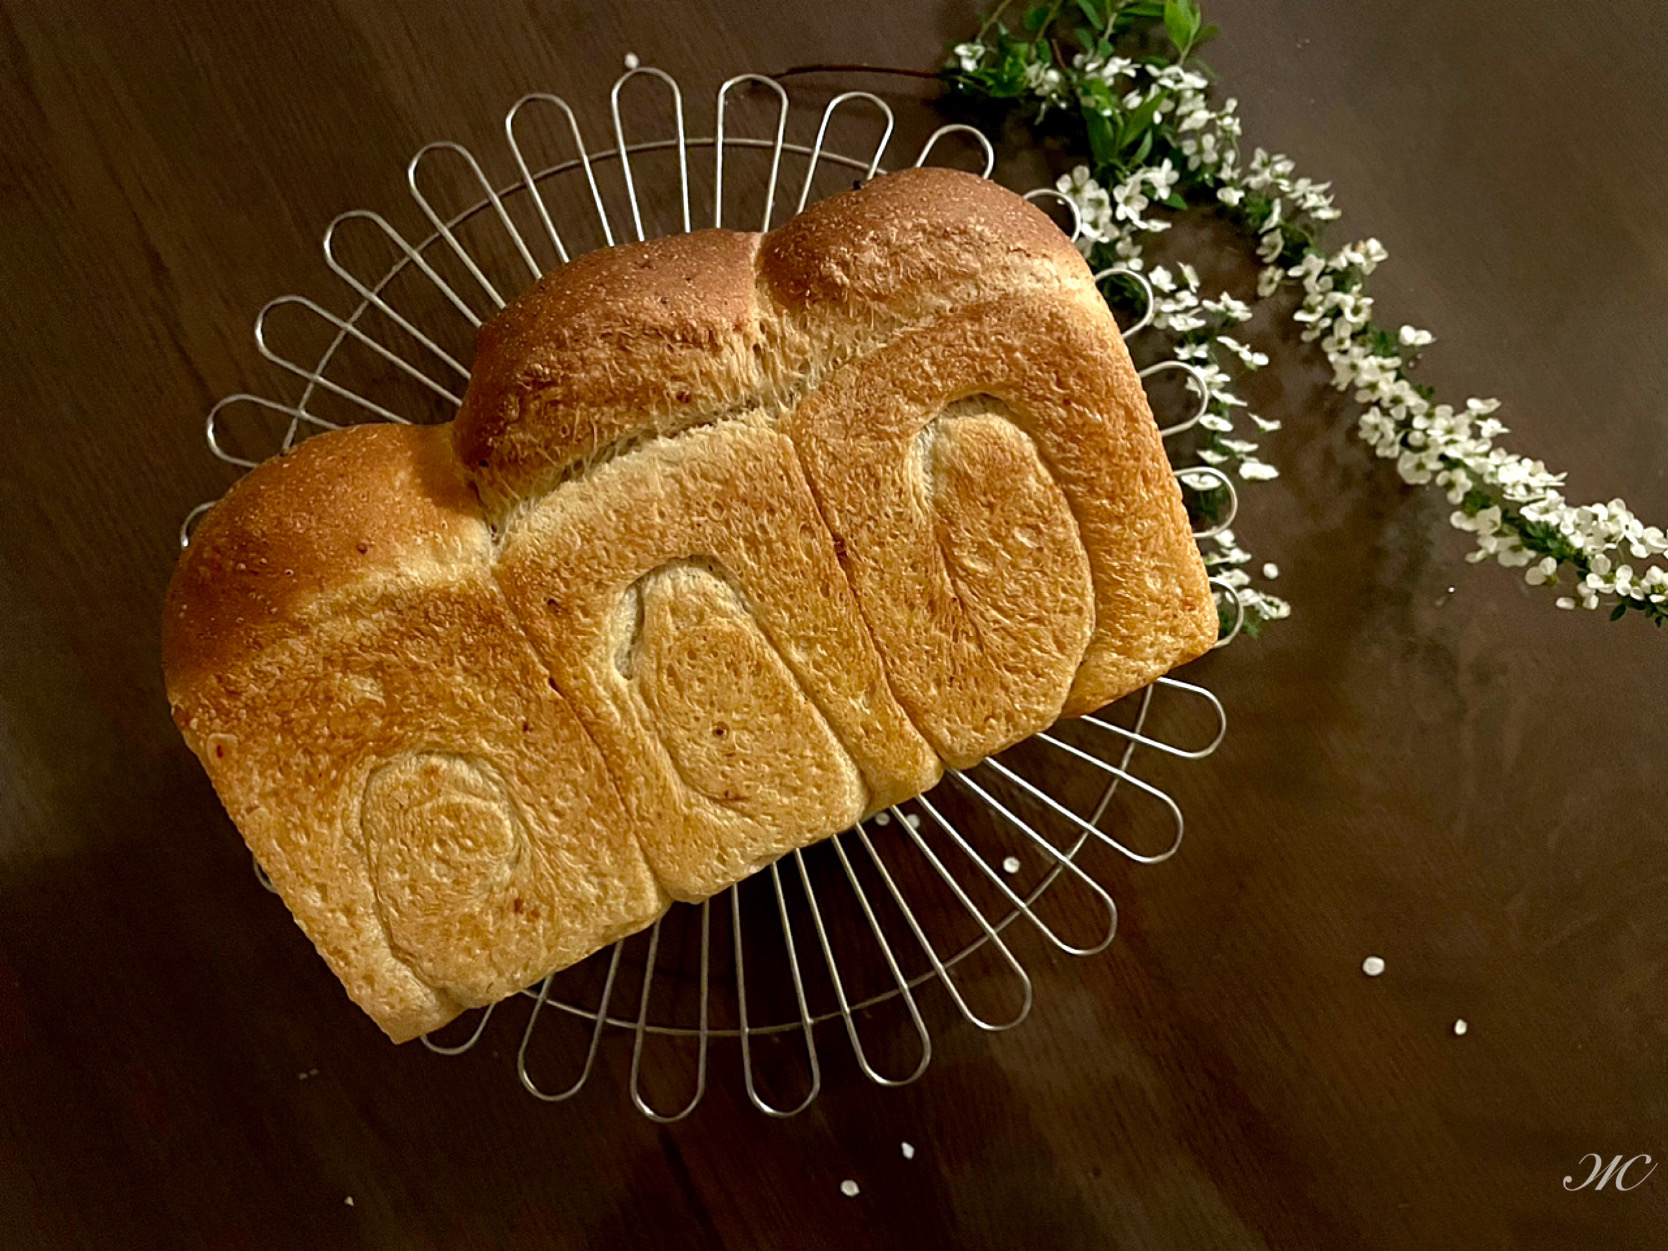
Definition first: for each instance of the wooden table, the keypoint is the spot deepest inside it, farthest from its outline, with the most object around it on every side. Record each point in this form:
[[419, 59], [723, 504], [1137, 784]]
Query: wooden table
[[1427, 762]]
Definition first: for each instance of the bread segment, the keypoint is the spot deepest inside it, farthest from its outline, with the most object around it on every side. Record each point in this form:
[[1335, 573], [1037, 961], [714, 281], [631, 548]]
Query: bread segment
[[426, 803], [770, 629], [734, 540], [1054, 571]]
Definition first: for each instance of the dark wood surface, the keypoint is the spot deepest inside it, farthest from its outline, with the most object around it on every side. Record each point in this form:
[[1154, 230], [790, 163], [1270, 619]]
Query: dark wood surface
[[1427, 761]]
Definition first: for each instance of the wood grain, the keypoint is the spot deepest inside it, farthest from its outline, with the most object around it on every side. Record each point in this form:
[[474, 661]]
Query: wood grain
[[1427, 762]]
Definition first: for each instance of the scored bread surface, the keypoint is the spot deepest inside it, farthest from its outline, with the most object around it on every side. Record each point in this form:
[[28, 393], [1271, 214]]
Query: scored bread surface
[[734, 540]]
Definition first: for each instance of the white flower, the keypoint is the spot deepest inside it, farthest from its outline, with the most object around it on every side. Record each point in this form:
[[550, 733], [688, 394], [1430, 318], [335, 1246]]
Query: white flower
[[1257, 471], [968, 55], [1131, 203], [1411, 337], [1093, 204], [1162, 178], [1226, 305], [1108, 71], [1046, 81], [1177, 78]]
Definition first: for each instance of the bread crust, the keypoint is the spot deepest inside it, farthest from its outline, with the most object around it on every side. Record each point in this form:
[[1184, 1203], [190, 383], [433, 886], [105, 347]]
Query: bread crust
[[735, 538]]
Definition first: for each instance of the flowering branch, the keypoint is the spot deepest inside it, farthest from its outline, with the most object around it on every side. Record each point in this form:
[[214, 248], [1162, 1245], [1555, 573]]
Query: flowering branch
[[1088, 71]]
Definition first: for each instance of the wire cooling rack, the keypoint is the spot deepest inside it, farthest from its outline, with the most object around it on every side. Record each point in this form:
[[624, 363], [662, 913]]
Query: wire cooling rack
[[925, 892]]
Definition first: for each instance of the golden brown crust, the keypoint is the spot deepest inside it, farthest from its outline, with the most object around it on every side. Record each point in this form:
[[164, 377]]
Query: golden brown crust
[[778, 526], [1019, 574], [770, 622], [918, 230], [386, 739], [342, 505], [649, 339], [647, 336]]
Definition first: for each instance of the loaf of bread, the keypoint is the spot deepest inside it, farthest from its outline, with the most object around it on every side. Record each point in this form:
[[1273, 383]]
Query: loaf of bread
[[735, 539]]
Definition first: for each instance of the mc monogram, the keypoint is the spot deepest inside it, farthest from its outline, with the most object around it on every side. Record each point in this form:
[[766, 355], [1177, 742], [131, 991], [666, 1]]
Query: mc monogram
[[1616, 1169]]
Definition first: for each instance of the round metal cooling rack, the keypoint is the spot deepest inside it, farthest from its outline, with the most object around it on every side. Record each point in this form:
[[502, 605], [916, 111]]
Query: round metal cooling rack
[[917, 894]]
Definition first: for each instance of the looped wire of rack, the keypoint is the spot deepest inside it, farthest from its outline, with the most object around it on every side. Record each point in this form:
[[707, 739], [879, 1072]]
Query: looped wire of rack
[[866, 911]]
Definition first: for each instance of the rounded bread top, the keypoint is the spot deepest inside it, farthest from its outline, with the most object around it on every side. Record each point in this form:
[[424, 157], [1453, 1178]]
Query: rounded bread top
[[913, 232], [348, 504], [652, 338]]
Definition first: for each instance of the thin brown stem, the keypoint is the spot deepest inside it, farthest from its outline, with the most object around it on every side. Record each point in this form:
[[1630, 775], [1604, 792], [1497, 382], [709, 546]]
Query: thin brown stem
[[821, 68], [992, 20]]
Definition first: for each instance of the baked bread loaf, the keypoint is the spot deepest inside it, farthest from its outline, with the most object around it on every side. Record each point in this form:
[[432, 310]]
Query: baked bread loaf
[[735, 539]]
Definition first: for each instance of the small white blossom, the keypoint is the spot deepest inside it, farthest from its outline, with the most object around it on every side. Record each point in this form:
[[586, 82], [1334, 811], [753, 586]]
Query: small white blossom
[[1162, 178], [1044, 80], [1108, 71]]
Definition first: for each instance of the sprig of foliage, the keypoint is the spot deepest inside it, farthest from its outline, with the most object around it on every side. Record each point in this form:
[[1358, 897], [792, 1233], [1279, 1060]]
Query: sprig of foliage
[[1119, 82]]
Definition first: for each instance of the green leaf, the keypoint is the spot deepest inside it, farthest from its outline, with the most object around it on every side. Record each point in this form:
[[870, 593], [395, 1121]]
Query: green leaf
[[1095, 15], [1176, 24], [1103, 142], [1139, 121], [1475, 501], [1035, 17], [1620, 611], [1146, 146], [1380, 342]]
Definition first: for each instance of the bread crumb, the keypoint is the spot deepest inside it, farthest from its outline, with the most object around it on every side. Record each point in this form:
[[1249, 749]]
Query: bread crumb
[[914, 820], [1372, 966], [883, 818], [1011, 865], [1460, 1027], [848, 1188], [908, 1151], [631, 61], [348, 1201]]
